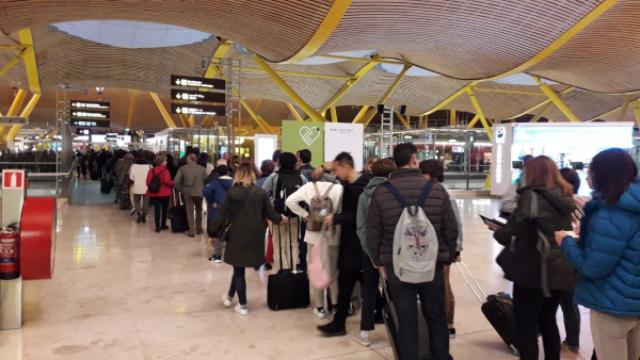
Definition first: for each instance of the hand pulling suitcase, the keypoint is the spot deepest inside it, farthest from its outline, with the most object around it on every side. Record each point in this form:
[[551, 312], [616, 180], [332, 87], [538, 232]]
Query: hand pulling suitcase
[[178, 215], [287, 289], [390, 317], [498, 308]]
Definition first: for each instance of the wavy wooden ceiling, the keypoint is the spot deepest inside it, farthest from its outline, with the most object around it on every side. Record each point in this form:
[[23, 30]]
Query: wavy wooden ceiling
[[459, 39]]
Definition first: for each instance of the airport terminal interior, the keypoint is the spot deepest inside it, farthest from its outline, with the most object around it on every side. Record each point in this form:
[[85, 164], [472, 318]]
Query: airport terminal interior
[[96, 96]]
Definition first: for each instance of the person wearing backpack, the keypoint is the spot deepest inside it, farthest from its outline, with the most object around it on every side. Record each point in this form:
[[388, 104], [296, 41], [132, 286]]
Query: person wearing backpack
[[214, 193], [159, 190], [321, 198], [434, 170], [350, 251], [371, 300], [422, 267], [286, 181], [531, 259]]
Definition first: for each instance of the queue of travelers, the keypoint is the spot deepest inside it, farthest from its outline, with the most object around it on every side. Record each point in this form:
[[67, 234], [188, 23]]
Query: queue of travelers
[[561, 250]]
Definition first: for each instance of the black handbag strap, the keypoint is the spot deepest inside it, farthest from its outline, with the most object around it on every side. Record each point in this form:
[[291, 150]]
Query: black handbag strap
[[244, 202]]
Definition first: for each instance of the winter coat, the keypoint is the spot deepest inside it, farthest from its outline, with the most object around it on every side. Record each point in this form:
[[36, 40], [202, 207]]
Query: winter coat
[[350, 249], [544, 211], [166, 184], [363, 211], [306, 170], [214, 192], [304, 195], [245, 244], [385, 211], [138, 174], [271, 183], [122, 169], [607, 256], [190, 179]]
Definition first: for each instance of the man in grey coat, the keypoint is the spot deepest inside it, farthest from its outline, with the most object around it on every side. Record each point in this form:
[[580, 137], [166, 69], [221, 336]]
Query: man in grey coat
[[384, 213], [190, 182]]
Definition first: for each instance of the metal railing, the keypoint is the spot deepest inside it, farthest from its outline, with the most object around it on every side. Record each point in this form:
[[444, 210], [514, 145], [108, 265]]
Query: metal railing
[[43, 177]]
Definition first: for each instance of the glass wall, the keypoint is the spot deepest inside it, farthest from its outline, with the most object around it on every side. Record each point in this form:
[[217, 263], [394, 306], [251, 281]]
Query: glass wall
[[466, 154], [213, 141]]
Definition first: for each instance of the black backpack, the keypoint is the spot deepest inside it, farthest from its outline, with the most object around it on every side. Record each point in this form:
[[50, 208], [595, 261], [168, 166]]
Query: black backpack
[[287, 184], [156, 182]]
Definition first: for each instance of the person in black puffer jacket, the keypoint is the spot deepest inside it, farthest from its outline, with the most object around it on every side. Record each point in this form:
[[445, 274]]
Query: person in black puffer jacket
[[533, 261]]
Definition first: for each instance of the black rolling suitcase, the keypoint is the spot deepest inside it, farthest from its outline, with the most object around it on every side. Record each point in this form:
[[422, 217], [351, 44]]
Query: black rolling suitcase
[[178, 215], [287, 289], [392, 324], [498, 309], [106, 184]]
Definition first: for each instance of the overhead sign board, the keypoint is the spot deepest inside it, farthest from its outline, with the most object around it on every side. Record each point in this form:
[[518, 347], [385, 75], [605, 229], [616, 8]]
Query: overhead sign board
[[90, 105], [194, 95], [13, 120], [97, 115], [196, 82], [191, 109], [90, 123]]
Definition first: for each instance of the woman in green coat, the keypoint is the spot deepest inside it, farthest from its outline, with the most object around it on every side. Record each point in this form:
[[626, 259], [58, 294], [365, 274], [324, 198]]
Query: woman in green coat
[[246, 207]]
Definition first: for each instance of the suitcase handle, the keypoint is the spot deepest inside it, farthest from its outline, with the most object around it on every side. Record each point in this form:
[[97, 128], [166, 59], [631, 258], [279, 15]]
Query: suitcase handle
[[471, 281]]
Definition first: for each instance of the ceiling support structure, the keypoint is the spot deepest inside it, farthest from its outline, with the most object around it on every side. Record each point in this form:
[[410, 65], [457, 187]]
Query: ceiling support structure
[[361, 113], [29, 59], [26, 112], [449, 99], [14, 109], [508, 92], [403, 119], [350, 83], [473, 122], [636, 111], [423, 122], [476, 106], [360, 59], [334, 114], [556, 100], [213, 69], [294, 112], [262, 124], [299, 74], [542, 104], [308, 109], [625, 106], [324, 30], [165, 115], [11, 63], [560, 41], [368, 116], [452, 117], [132, 102]]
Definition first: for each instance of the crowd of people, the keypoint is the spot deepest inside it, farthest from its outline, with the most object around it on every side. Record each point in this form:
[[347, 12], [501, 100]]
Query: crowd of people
[[560, 249]]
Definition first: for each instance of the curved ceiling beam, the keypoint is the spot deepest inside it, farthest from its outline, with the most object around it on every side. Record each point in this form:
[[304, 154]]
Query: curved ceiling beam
[[562, 40], [326, 28]]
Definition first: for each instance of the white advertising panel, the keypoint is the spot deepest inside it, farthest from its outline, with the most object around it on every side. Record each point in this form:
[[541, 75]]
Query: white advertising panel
[[265, 145], [339, 137]]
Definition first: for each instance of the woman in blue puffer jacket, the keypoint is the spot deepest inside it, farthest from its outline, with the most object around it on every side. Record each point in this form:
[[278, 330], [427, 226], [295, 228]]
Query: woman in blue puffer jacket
[[607, 255]]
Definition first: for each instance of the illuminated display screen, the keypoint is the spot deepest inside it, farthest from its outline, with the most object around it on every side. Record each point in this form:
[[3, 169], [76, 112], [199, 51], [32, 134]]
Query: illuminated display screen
[[569, 143]]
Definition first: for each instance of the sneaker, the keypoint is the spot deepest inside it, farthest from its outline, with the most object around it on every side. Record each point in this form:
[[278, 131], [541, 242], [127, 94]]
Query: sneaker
[[320, 313], [362, 338], [331, 330], [215, 259], [227, 301], [132, 211], [241, 309], [452, 333], [573, 349]]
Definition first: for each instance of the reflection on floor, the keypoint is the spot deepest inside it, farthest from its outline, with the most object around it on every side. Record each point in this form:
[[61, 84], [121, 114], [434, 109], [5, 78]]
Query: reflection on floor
[[121, 291], [87, 192]]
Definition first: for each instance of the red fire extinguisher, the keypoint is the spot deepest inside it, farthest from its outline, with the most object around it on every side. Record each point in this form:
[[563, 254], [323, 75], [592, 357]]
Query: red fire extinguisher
[[9, 253]]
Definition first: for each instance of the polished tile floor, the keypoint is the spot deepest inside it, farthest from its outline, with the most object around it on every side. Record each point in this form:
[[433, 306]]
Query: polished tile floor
[[121, 291]]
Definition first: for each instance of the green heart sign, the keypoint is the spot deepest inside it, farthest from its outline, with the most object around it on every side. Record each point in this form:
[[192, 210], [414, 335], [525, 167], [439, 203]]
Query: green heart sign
[[297, 135]]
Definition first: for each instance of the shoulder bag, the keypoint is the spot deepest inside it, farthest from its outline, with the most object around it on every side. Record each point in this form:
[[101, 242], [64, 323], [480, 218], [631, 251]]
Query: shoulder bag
[[223, 232]]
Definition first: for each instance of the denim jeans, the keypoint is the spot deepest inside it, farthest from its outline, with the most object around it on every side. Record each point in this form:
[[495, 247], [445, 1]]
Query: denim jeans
[[238, 285]]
